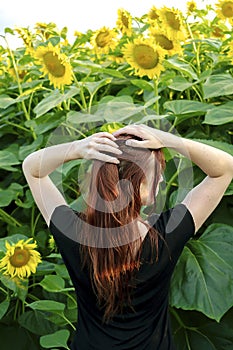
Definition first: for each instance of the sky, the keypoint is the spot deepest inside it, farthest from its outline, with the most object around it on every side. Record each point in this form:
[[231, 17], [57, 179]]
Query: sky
[[79, 15]]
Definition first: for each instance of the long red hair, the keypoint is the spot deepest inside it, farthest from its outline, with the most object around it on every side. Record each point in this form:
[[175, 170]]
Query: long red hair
[[113, 209]]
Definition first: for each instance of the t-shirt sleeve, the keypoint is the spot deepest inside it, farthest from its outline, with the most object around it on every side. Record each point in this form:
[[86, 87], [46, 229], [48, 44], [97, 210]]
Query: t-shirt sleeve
[[64, 224], [176, 225]]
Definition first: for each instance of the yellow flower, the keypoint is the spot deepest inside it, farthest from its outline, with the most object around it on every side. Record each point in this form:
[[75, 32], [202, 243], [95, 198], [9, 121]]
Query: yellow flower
[[111, 127], [26, 36], [21, 259], [51, 242], [191, 7], [103, 40], [55, 65], [124, 22], [153, 15], [219, 31], [172, 20], [145, 57], [171, 46], [225, 10]]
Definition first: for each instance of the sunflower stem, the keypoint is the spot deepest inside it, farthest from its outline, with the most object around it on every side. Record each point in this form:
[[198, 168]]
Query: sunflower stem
[[156, 95], [16, 310], [81, 92], [68, 321], [3, 290], [27, 116], [169, 185], [9, 219]]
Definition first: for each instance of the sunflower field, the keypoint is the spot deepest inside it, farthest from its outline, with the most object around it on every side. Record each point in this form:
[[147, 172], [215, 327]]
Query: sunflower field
[[167, 69]]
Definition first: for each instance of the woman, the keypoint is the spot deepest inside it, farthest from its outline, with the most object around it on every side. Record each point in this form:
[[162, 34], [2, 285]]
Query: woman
[[121, 265]]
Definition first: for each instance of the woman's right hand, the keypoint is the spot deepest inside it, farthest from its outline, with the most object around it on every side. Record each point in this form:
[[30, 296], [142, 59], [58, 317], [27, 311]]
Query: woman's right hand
[[97, 146]]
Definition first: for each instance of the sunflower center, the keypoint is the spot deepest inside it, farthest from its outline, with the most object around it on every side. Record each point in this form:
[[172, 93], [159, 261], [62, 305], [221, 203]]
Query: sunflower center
[[172, 20], [20, 257], [146, 56], [227, 9], [153, 15], [164, 42], [102, 39], [125, 20], [53, 64]]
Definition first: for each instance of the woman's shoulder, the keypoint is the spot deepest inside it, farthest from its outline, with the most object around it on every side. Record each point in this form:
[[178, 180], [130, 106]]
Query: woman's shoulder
[[174, 220]]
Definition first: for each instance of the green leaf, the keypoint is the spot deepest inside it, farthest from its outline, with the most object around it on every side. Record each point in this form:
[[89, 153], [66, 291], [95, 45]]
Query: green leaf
[[94, 86], [218, 85], [6, 101], [220, 115], [24, 151], [9, 194], [142, 84], [53, 283], [45, 267], [186, 107], [47, 305], [76, 118], [66, 167], [35, 322], [12, 239], [113, 72], [54, 99], [181, 66], [204, 273], [57, 339], [7, 159], [224, 146], [13, 336], [192, 330], [4, 305], [180, 84], [116, 111], [22, 289]]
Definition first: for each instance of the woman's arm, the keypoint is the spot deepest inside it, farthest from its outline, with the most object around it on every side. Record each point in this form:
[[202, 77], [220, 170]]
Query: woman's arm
[[216, 164], [38, 165]]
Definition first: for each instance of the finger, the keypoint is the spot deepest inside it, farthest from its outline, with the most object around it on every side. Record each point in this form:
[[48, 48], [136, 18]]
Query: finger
[[107, 141], [109, 149], [130, 130], [105, 158], [135, 143], [121, 131], [106, 134]]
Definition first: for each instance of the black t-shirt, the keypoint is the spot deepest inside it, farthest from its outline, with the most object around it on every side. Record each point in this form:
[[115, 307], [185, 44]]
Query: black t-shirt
[[148, 326]]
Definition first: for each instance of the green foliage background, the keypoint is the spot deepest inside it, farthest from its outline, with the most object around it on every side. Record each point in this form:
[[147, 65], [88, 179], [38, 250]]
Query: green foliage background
[[192, 97]]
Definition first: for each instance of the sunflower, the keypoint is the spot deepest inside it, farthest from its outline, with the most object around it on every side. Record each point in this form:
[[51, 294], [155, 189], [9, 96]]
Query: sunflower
[[145, 57], [26, 36], [21, 259], [51, 243], [103, 40], [124, 22], [54, 64], [172, 20], [191, 7], [171, 46], [219, 31], [153, 15], [225, 10]]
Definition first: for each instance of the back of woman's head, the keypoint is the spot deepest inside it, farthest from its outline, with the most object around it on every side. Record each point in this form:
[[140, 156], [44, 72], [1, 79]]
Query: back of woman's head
[[115, 188], [113, 209]]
